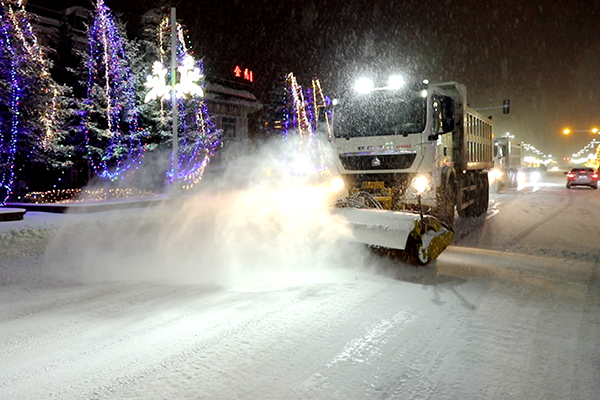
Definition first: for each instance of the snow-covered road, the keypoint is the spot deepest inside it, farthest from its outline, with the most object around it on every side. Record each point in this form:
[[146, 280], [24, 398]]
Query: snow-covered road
[[135, 307]]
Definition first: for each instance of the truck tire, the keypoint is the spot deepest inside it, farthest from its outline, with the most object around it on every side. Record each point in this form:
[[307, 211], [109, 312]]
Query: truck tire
[[468, 179], [482, 196], [485, 188]]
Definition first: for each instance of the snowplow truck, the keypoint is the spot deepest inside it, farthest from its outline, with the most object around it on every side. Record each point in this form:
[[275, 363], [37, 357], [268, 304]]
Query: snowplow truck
[[420, 154]]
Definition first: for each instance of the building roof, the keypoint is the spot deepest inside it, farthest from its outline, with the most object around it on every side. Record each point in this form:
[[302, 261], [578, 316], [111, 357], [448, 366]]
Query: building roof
[[222, 92]]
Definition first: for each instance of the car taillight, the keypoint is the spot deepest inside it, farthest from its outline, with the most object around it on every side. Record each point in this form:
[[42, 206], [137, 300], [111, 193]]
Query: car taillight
[[594, 176], [571, 175]]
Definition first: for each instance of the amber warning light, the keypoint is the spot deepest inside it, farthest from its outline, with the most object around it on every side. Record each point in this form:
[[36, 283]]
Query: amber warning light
[[244, 74]]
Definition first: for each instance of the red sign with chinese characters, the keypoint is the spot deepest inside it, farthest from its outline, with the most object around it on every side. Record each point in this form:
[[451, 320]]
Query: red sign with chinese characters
[[244, 74]]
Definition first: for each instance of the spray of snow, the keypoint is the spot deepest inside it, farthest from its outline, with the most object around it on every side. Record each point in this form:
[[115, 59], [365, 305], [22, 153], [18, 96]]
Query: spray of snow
[[251, 226]]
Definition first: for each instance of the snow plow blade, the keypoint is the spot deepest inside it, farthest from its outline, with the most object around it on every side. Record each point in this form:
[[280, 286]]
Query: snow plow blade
[[420, 240]]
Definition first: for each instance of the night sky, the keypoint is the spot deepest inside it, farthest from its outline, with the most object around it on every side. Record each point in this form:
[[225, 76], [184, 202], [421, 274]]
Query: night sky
[[544, 56]]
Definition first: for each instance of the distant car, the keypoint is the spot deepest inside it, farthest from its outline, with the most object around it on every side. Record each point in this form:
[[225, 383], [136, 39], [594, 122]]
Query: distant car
[[529, 175], [582, 177]]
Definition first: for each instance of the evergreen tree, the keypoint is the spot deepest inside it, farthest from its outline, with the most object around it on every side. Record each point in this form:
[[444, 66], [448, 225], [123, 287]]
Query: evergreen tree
[[115, 142], [143, 51], [30, 100], [197, 135], [9, 108], [273, 115], [70, 71]]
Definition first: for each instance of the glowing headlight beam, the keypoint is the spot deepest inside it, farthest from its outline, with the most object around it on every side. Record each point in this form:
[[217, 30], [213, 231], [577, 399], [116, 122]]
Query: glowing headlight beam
[[420, 184], [337, 184]]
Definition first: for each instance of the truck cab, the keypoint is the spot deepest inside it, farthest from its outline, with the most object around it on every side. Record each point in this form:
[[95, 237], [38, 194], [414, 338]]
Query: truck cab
[[508, 162], [415, 147], [394, 136]]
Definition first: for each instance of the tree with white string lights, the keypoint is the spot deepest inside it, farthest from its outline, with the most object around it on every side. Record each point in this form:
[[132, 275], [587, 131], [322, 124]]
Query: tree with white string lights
[[29, 103], [116, 143]]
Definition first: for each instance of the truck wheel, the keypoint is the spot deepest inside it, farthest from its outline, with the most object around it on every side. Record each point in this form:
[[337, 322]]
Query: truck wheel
[[470, 211], [485, 187], [482, 197]]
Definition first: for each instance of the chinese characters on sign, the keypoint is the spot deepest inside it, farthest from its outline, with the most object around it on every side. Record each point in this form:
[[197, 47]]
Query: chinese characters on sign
[[244, 74]]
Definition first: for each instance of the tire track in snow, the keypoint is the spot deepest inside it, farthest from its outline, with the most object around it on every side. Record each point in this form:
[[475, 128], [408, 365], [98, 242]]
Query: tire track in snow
[[172, 361], [127, 306], [535, 226], [76, 322], [124, 349], [92, 295], [360, 349]]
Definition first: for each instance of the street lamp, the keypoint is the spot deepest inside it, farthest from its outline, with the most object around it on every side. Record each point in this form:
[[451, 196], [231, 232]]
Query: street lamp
[[567, 131], [188, 85]]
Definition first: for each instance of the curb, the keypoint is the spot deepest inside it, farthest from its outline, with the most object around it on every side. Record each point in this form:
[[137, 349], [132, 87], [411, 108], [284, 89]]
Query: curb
[[12, 214]]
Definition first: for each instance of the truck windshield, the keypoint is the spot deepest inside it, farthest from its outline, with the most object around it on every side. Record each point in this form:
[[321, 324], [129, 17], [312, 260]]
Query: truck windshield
[[378, 114]]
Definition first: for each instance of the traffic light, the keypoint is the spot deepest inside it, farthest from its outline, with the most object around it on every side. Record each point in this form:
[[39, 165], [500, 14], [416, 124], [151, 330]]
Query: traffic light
[[506, 107]]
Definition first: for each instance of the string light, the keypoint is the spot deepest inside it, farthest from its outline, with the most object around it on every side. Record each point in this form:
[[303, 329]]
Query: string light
[[108, 69], [197, 134], [319, 102], [24, 32], [81, 195], [302, 124], [589, 154], [9, 139], [302, 117]]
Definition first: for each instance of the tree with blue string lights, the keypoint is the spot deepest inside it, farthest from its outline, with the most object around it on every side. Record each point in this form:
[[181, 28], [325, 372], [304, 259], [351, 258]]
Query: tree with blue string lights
[[115, 142], [197, 136], [30, 103]]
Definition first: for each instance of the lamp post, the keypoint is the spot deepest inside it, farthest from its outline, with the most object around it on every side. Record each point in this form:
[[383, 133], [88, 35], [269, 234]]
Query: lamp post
[[175, 154], [568, 131], [188, 85]]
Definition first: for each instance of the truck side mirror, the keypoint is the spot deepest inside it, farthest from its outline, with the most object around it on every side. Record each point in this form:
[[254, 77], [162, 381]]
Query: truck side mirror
[[448, 120]]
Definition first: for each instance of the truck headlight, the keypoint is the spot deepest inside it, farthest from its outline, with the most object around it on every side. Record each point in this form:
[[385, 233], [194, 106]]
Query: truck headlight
[[420, 183], [337, 184], [495, 175]]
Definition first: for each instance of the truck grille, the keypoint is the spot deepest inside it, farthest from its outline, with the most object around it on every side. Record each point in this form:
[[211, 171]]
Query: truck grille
[[360, 162]]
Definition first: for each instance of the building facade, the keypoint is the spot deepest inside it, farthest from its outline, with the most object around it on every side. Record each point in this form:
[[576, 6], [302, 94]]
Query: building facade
[[229, 105]]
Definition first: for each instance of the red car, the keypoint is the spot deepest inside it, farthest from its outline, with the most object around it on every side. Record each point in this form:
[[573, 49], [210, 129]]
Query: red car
[[582, 177]]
